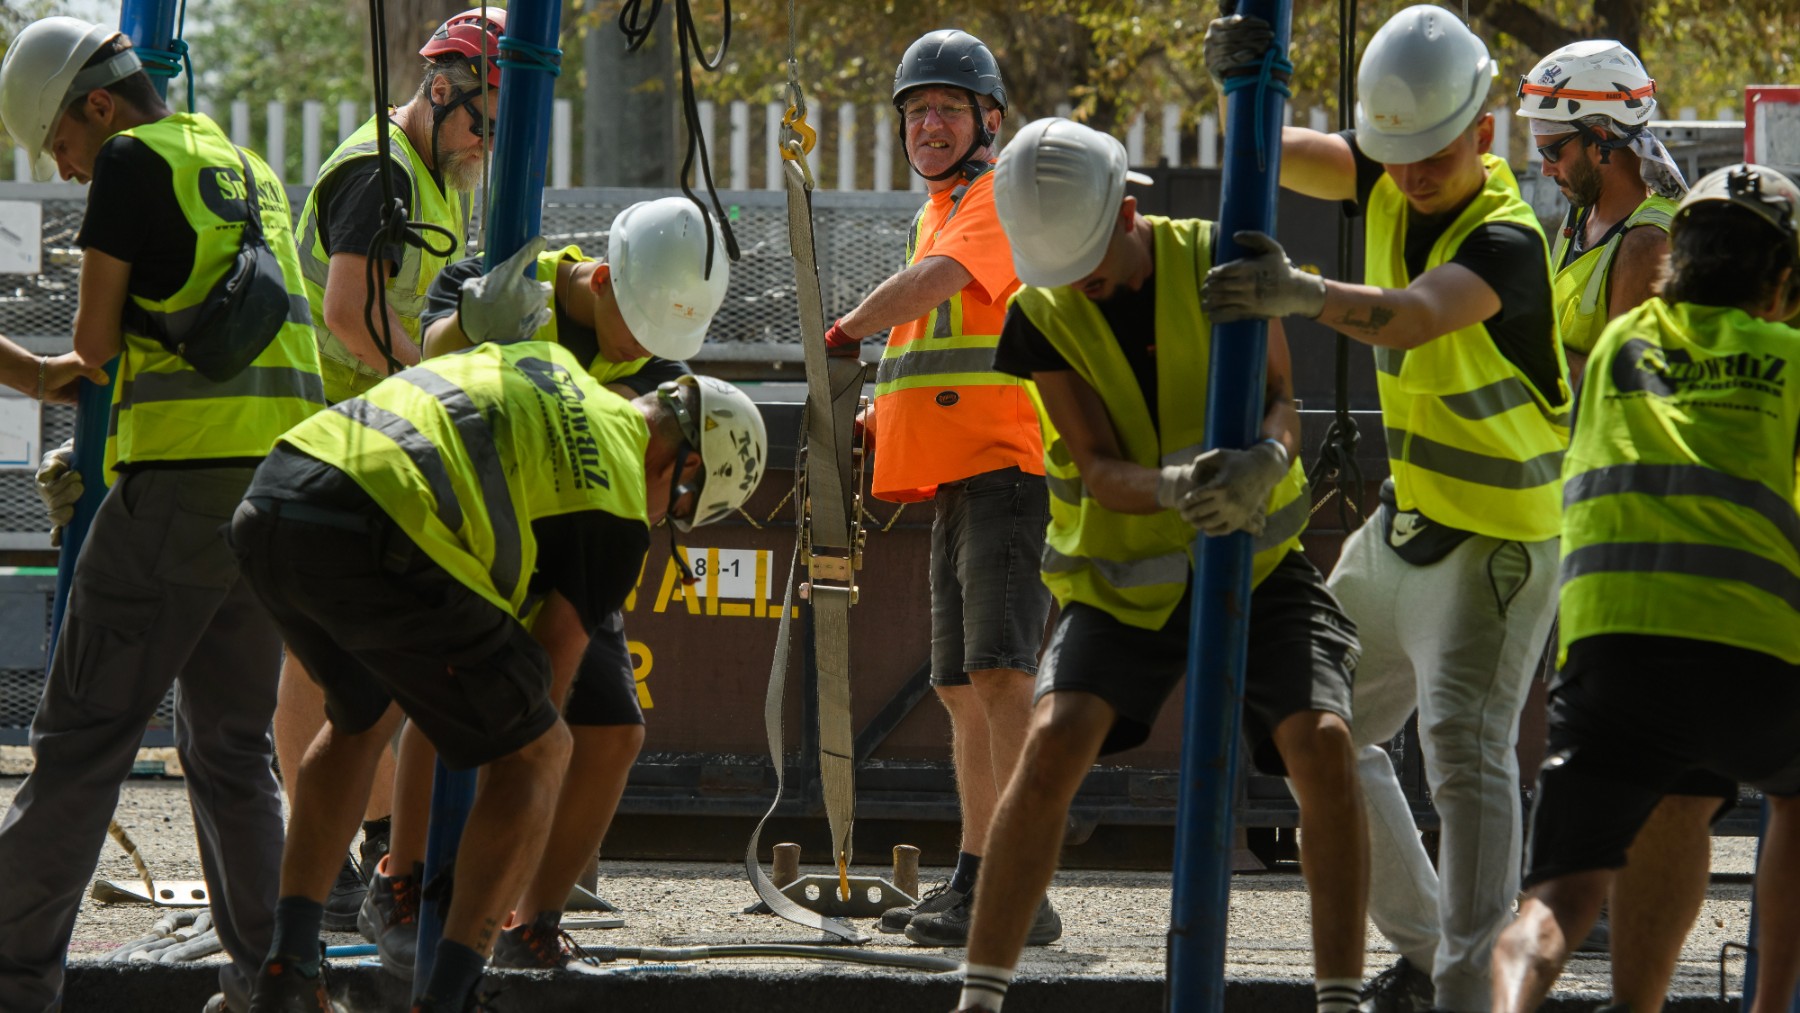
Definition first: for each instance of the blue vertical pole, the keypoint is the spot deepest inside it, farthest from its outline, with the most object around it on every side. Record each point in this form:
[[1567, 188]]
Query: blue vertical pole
[[515, 215], [1218, 623], [1750, 956], [149, 24]]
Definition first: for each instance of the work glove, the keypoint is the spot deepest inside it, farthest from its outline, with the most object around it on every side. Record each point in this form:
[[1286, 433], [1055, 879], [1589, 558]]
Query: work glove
[[59, 486], [1233, 43], [505, 304], [1261, 285], [840, 345], [1223, 491]]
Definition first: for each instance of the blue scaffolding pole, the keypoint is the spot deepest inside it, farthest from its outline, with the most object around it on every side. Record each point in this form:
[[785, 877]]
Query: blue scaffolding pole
[[531, 60], [1220, 614]]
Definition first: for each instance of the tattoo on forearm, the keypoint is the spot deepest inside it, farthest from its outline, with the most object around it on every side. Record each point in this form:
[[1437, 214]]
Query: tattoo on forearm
[[1379, 317]]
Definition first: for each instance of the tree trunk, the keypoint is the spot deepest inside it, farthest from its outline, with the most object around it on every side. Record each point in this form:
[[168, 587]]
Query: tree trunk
[[409, 25]]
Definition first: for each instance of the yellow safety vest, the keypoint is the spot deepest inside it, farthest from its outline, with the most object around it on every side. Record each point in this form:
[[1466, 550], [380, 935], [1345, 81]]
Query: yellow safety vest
[[601, 369], [1679, 491], [1583, 288], [1135, 567], [1471, 443], [345, 375], [465, 450], [162, 408]]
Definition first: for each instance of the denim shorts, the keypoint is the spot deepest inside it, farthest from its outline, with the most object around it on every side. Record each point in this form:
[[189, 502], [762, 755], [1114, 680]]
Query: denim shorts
[[988, 604]]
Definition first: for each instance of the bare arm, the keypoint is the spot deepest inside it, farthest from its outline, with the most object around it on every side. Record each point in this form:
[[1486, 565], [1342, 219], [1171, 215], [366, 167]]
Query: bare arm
[[908, 295], [445, 335], [1317, 164], [1125, 486], [1444, 299], [1643, 252], [104, 281], [346, 293]]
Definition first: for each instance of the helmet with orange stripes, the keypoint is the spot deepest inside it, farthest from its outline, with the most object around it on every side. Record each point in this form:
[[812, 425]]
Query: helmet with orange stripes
[[1598, 77]]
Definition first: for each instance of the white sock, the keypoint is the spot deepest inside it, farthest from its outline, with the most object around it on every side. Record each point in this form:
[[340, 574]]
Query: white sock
[[1338, 995], [984, 987]]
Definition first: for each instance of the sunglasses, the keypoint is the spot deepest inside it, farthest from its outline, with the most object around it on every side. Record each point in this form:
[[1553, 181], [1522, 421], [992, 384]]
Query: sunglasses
[[1552, 152], [482, 126]]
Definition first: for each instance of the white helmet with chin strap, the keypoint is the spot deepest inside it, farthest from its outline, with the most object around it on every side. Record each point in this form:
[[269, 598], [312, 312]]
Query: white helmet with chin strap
[[42, 74], [1598, 77], [1421, 83], [726, 428], [656, 252]]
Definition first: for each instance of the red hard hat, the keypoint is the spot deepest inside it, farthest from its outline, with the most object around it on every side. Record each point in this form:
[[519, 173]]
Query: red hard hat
[[468, 34]]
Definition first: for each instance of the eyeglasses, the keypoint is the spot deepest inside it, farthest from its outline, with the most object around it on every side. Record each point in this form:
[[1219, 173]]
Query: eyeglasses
[[1552, 152], [481, 126], [915, 112]]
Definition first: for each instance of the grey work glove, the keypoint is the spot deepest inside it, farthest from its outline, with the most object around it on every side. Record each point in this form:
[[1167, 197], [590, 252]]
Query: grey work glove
[[59, 485], [1230, 488], [1233, 43], [504, 304], [1262, 285]]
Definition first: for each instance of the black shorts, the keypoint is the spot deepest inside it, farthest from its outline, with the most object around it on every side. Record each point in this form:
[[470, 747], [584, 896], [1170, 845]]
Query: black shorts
[[1634, 718], [605, 690], [376, 621], [1301, 652], [988, 604]]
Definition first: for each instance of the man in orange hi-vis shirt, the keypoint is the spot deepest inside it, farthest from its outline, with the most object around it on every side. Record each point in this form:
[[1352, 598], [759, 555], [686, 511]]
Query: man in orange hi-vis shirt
[[953, 430]]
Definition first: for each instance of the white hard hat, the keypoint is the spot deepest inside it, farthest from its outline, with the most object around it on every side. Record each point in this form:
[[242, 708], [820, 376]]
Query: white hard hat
[[1057, 190], [733, 443], [42, 74], [1597, 77], [657, 254], [1422, 82], [1758, 189]]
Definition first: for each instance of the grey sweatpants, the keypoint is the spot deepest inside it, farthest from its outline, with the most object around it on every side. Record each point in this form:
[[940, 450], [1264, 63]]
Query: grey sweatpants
[[156, 599]]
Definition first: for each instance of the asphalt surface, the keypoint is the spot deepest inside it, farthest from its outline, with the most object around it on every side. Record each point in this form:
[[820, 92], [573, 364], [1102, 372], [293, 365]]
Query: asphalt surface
[[1110, 958]]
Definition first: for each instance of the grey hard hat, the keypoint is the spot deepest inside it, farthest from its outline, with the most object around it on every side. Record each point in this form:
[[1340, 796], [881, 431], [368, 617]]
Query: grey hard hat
[[954, 59]]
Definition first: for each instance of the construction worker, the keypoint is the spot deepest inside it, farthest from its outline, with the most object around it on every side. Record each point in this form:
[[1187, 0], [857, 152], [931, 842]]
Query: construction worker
[[952, 430], [435, 145], [1110, 327], [1452, 586], [1679, 639], [622, 317], [1590, 105], [448, 496], [156, 596]]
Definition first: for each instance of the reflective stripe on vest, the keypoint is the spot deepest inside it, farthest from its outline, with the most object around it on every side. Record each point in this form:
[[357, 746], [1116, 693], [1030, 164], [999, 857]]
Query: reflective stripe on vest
[[1136, 567], [1679, 490], [162, 408], [346, 375], [478, 445], [1471, 444], [1581, 287]]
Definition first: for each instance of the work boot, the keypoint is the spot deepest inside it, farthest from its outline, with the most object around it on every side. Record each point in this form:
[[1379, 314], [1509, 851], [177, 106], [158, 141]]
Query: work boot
[[345, 899], [941, 897], [1599, 938], [951, 927], [540, 945], [390, 919], [282, 987], [1402, 988]]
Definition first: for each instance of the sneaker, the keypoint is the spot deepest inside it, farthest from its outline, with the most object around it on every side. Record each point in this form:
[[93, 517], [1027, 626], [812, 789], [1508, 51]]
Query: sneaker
[[1402, 988], [282, 987], [1599, 938], [345, 899], [540, 945], [389, 918], [941, 897], [951, 927]]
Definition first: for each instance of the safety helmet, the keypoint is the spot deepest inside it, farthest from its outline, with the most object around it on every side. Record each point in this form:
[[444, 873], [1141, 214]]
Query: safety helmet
[[726, 428], [42, 74], [1057, 191], [470, 34], [1422, 82], [953, 59], [656, 252], [1762, 191], [1595, 77]]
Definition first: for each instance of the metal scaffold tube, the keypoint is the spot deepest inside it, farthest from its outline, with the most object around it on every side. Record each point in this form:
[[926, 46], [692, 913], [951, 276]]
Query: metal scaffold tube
[[1221, 599]]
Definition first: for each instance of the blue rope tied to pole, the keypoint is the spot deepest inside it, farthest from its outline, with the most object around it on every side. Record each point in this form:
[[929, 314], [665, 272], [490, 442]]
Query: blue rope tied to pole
[[517, 54], [166, 63], [1272, 75]]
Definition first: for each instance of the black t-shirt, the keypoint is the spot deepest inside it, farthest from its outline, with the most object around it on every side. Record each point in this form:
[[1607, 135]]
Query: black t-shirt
[[1512, 261], [349, 203], [440, 302], [592, 557], [133, 215], [1024, 349]]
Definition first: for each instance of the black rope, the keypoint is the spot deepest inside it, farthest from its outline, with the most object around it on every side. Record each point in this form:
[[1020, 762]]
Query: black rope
[[395, 231], [637, 24], [1337, 464]]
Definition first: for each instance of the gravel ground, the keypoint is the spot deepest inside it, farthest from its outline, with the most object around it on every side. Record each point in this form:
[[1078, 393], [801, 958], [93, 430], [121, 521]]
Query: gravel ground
[[1114, 921]]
